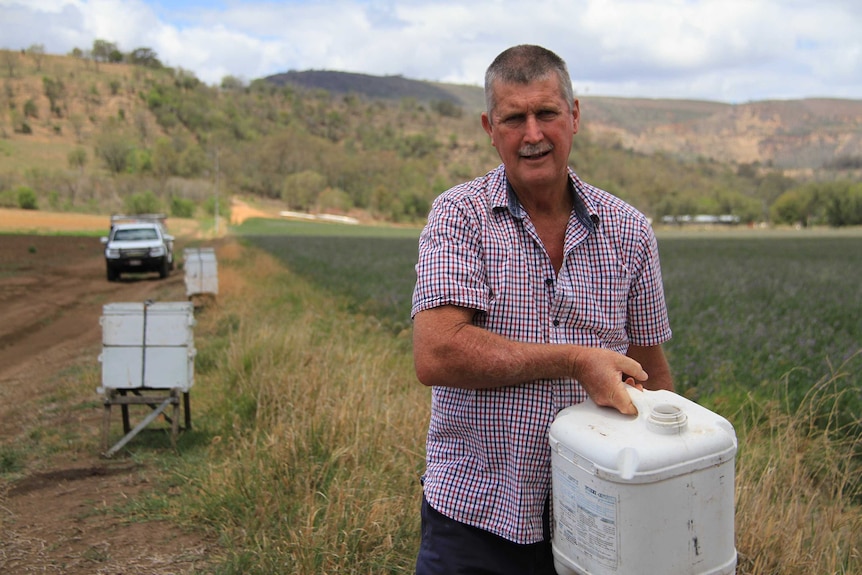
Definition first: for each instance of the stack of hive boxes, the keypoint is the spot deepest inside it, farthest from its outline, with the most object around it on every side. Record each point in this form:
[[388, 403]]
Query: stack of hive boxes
[[201, 271], [147, 345]]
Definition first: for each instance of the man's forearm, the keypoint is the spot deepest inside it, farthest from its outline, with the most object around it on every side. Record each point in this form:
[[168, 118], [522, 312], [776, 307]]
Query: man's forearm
[[463, 355], [449, 351]]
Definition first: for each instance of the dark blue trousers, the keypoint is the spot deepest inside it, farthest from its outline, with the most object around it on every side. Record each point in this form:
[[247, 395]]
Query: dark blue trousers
[[450, 547]]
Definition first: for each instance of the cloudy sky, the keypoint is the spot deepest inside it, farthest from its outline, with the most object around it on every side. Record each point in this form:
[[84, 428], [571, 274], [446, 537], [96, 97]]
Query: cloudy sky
[[725, 50]]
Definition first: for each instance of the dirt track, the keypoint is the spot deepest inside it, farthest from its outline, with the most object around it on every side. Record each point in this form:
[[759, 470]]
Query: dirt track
[[57, 514]]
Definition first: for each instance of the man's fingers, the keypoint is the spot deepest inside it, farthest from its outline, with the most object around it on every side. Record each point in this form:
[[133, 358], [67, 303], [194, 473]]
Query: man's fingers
[[635, 384], [628, 408], [618, 397], [605, 375], [635, 371]]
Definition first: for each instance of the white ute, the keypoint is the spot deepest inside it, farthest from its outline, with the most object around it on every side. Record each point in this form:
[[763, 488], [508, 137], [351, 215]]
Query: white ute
[[138, 244]]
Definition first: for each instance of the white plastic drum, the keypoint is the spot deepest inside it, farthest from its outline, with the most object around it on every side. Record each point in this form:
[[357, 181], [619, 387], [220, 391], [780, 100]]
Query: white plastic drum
[[652, 493]]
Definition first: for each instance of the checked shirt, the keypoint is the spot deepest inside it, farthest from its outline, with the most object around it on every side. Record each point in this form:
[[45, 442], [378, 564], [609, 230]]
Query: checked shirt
[[488, 459]]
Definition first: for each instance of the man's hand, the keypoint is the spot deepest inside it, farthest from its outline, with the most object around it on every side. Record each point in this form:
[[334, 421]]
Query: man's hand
[[604, 375]]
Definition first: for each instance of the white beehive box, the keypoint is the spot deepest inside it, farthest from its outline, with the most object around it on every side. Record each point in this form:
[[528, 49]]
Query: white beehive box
[[154, 324], [148, 345], [201, 271], [646, 494], [148, 368]]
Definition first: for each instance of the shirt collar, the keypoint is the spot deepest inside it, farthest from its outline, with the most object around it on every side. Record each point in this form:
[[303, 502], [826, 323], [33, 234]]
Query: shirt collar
[[584, 209], [585, 212]]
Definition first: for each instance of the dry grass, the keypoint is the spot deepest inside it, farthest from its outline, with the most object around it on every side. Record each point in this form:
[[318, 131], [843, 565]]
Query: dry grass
[[43, 153], [321, 425], [798, 488]]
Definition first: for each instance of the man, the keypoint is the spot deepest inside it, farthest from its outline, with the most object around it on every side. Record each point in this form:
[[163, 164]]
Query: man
[[533, 291]]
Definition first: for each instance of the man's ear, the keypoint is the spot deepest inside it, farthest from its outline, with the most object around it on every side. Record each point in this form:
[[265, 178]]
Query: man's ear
[[489, 129], [576, 116]]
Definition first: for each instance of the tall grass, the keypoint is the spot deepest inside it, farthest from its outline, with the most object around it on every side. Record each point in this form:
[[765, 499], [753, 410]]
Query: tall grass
[[317, 429], [313, 425], [799, 491]]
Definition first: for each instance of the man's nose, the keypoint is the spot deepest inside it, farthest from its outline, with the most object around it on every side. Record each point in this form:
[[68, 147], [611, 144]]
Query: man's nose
[[532, 129]]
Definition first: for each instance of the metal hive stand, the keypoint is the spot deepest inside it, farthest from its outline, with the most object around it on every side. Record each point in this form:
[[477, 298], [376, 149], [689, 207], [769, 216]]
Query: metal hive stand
[[158, 402]]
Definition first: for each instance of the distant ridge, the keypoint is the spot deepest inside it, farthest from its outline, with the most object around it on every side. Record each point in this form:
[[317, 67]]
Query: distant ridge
[[373, 87]]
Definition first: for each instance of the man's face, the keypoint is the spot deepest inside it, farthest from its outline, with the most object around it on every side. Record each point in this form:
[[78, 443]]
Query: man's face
[[532, 128]]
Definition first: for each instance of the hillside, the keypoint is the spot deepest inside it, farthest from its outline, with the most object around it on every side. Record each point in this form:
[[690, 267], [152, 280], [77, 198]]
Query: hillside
[[77, 135], [806, 135], [799, 135]]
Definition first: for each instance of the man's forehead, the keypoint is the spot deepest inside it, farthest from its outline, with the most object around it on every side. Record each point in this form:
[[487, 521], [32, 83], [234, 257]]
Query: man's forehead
[[539, 94]]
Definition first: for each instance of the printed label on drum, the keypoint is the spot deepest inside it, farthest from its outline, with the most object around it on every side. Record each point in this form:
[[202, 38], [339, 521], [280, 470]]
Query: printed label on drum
[[587, 519]]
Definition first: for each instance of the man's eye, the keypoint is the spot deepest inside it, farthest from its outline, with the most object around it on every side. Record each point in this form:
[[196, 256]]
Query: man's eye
[[513, 120], [546, 116]]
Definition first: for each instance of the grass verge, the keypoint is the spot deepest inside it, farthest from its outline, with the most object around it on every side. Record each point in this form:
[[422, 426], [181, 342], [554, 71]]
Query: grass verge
[[314, 427]]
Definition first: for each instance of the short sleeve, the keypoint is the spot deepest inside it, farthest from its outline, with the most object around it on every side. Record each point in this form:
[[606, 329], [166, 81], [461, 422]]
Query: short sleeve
[[450, 268], [648, 322]]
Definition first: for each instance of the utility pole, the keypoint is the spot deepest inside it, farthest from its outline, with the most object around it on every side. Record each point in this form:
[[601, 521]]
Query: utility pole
[[216, 192]]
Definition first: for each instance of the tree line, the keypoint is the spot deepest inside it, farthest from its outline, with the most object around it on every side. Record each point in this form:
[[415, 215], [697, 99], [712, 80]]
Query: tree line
[[107, 51]]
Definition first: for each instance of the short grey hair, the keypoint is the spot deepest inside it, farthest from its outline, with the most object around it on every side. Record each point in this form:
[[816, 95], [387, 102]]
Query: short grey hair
[[524, 64]]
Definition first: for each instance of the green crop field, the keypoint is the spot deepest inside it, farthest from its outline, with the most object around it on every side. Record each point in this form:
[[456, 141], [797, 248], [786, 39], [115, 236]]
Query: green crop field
[[747, 308], [752, 310], [371, 267]]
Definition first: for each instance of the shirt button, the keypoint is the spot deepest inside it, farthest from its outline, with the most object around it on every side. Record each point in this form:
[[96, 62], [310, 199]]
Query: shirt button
[[549, 282], [556, 323]]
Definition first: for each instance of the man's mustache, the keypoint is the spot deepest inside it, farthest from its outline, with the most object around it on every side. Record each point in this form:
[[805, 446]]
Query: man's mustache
[[535, 149]]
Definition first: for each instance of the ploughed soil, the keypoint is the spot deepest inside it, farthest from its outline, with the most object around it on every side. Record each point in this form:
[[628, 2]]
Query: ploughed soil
[[62, 505]]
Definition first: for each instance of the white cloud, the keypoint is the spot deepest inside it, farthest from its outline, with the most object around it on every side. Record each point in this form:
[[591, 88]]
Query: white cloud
[[732, 50]]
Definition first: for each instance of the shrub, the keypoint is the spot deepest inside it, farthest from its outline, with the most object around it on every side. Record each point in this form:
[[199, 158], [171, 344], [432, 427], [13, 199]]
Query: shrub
[[115, 149], [77, 158], [192, 162], [334, 199], [300, 189], [142, 203], [447, 108], [30, 109], [140, 161], [27, 199], [223, 207], [182, 208], [11, 459]]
